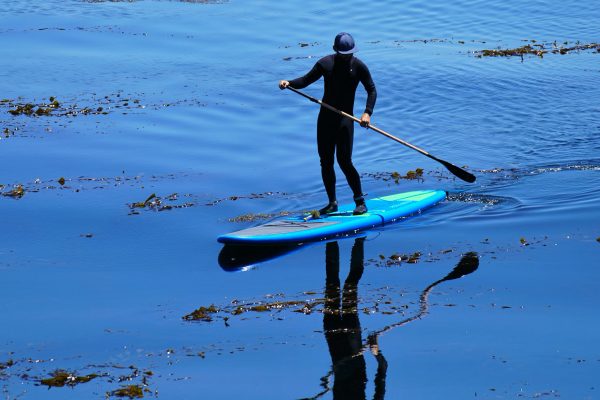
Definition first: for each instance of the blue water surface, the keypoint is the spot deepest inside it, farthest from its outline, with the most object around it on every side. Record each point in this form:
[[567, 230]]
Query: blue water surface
[[191, 113]]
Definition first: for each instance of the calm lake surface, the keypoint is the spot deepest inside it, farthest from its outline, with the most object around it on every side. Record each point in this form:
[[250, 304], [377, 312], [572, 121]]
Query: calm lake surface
[[179, 99]]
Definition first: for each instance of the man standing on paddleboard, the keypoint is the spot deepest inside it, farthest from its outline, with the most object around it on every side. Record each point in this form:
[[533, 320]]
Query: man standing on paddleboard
[[342, 73]]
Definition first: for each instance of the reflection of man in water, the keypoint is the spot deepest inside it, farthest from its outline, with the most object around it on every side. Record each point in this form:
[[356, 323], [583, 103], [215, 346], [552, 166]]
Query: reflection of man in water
[[342, 328]]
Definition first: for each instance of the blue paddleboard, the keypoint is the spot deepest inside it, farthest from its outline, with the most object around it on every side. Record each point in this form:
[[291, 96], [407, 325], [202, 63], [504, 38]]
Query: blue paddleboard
[[305, 228]]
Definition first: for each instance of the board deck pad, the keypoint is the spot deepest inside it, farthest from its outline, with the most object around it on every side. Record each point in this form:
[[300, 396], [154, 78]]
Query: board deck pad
[[305, 228]]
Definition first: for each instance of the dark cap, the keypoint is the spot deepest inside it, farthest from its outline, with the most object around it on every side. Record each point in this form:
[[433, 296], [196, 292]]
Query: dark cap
[[344, 43]]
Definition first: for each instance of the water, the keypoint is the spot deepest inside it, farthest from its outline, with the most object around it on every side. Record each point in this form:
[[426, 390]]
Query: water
[[204, 119]]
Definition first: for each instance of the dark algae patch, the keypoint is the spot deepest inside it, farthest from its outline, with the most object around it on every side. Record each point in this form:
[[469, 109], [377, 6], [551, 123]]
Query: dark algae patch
[[156, 203], [251, 217], [60, 378], [410, 175], [235, 308], [52, 111], [130, 391], [52, 107], [416, 174], [16, 193], [519, 52], [82, 183], [539, 49], [6, 364], [251, 196], [202, 314], [397, 259]]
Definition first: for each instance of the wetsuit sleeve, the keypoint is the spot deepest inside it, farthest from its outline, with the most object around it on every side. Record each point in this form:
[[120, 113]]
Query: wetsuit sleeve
[[367, 81], [312, 76]]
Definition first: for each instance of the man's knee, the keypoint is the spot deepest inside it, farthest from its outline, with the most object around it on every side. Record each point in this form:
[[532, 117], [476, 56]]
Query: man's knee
[[327, 162], [345, 164]]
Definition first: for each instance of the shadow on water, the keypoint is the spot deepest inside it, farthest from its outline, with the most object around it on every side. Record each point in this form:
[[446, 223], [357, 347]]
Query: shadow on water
[[343, 333], [240, 258], [341, 322], [342, 329], [234, 258]]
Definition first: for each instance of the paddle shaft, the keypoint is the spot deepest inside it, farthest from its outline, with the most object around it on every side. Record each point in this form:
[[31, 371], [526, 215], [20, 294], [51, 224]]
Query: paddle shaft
[[352, 117], [462, 174]]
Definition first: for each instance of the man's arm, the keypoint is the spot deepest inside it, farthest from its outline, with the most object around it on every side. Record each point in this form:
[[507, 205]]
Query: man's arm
[[369, 85], [300, 83]]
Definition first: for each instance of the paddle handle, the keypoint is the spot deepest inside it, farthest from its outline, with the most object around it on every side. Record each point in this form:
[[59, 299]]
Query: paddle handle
[[352, 117]]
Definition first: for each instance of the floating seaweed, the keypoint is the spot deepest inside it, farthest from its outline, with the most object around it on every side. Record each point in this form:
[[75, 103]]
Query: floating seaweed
[[538, 49], [251, 217], [519, 51], [202, 314], [7, 364], [131, 391], [314, 214], [207, 314], [60, 378], [16, 193], [416, 174], [397, 259], [144, 203], [251, 196], [155, 203]]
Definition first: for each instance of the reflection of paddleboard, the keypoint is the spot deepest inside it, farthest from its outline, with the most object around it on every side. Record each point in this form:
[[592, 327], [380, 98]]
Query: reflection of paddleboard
[[304, 228], [239, 257], [243, 257]]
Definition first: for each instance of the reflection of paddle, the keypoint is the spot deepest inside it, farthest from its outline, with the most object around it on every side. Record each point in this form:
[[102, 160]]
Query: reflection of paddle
[[467, 264], [459, 172]]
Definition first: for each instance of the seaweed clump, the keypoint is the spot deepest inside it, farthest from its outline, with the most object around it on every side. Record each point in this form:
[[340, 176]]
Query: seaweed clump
[[251, 217], [410, 175], [397, 259], [417, 173], [538, 49], [7, 364], [31, 109], [202, 314], [130, 391], [208, 314], [518, 51], [156, 203], [16, 193], [60, 378]]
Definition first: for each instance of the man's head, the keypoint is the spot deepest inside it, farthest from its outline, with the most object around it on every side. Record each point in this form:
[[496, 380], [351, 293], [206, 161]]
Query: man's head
[[344, 44]]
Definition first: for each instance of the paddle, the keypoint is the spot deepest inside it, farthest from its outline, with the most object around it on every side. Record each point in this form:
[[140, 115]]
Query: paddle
[[459, 172]]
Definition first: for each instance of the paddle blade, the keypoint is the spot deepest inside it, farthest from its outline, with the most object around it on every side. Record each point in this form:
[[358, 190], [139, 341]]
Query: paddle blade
[[458, 172]]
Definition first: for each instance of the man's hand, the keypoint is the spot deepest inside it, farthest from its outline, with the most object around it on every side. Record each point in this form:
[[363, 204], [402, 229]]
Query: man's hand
[[283, 84], [365, 120]]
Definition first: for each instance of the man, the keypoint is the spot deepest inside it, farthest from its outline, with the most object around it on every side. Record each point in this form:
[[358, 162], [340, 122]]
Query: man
[[335, 133]]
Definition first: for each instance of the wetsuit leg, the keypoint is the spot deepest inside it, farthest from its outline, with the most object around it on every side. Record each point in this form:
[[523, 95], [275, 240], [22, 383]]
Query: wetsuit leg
[[326, 133], [345, 142]]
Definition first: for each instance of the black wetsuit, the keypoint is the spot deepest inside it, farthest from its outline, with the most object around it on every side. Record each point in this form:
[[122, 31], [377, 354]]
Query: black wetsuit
[[334, 131]]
